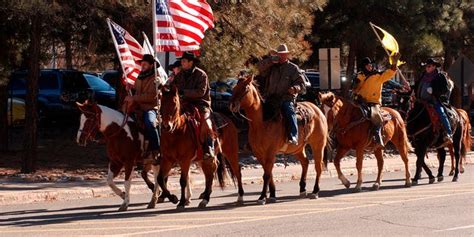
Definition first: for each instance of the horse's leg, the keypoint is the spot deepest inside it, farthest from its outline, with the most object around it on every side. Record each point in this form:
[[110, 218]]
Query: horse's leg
[[442, 158], [359, 161], [189, 191], [451, 154], [114, 170], [156, 189], [145, 178], [267, 174], [272, 190], [183, 181], [402, 147], [165, 167], [127, 185], [233, 159], [209, 168], [337, 163], [379, 156], [457, 145], [318, 150], [427, 169], [304, 166]]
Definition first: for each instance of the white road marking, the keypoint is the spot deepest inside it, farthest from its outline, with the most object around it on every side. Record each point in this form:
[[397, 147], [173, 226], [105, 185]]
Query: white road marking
[[456, 228]]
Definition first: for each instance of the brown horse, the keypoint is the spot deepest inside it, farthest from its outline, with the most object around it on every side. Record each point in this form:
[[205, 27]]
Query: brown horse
[[179, 146], [353, 132], [269, 138], [124, 142], [466, 140]]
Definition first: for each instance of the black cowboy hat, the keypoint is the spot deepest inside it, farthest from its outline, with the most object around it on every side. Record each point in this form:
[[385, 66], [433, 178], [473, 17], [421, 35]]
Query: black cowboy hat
[[189, 56], [364, 62], [431, 61], [177, 63], [147, 58]]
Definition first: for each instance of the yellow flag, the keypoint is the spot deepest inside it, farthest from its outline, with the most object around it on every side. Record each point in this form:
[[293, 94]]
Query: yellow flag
[[388, 41]]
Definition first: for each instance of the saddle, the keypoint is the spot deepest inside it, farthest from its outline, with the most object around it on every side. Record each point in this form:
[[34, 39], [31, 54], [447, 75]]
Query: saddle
[[365, 109], [434, 116]]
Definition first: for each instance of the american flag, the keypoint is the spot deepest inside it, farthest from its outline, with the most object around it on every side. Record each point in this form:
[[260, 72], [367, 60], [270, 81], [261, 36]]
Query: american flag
[[180, 24], [129, 50]]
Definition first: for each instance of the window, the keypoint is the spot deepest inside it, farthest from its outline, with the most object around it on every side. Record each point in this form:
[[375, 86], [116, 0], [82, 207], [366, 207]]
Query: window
[[48, 81], [74, 82], [97, 84], [18, 82]]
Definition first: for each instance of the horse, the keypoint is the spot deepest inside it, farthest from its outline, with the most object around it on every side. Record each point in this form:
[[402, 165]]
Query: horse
[[180, 145], [267, 138], [424, 135], [123, 140], [466, 140], [352, 131]]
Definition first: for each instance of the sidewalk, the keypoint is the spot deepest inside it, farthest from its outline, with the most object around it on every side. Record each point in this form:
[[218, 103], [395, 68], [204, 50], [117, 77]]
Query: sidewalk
[[12, 193]]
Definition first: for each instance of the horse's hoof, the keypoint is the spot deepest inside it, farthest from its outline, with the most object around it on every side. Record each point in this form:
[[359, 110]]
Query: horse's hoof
[[440, 178], [376, 186], [272, 200], [201, 196], [152, 204], [123, 207], [160, 200], [174, 199], [414, 182], [357, 189], [261, 201], [432, 180], [455, 178], [187, 203], [303, 194], [461, 170], [180, 208], [313, 196], [240, 201], [347, 184], [203, 203], [407, 184], [451, 173]]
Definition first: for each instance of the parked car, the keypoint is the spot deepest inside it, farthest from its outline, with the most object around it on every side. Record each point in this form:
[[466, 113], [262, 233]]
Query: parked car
[[221, 92], [16, 111], [313, 90], [59, 89], [104, 93], [113, 77]]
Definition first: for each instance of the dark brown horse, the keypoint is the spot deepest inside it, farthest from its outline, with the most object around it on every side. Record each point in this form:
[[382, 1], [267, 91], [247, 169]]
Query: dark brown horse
[[179, 146], [269, 138], [352, 131], [124, 142]]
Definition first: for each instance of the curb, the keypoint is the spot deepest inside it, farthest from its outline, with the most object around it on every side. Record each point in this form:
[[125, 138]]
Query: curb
[[139, 187]]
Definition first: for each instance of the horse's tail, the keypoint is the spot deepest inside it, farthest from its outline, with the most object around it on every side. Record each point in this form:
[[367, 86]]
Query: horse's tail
[[466, 139], [222, 168], [328, 150], [403, 131]]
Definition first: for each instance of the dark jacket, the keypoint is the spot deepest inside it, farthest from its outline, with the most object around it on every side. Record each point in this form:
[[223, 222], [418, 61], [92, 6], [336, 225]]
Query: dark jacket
[[195, 86], [280, 77]]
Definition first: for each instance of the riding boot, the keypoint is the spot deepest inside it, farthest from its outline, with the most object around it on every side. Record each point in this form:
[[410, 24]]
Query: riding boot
[[208, 148], [378, 137]]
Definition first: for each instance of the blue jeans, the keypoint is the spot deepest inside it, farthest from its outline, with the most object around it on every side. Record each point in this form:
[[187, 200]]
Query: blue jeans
[[288, 108], [152, 133], [443, 117]]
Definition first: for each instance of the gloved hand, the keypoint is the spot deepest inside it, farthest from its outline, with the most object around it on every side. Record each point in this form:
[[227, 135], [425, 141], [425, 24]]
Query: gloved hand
[[395, 59], [429, 90]]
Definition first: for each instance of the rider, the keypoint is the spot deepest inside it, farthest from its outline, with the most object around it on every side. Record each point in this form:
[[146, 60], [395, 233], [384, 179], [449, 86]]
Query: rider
[[368, 90], [193, 88], [285, 80], [175, 68], [434, 88], [145, 100]]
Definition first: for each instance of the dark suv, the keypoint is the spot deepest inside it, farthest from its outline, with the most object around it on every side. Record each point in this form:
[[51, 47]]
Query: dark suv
[[58, 90]]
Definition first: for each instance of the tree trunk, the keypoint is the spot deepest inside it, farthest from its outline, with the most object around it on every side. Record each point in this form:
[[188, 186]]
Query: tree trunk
[[31, 100], [349, 70], [67, 46], [4, 117]]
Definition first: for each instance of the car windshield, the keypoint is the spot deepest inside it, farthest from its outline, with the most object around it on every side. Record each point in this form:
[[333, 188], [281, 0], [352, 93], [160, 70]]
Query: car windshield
[[98, 84]]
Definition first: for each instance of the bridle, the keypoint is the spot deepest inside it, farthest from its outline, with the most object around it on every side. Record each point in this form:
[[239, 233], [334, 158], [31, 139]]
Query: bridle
[[95, 119], [239, 98]]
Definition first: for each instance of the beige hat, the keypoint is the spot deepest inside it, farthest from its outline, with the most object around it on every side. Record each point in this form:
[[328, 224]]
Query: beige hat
[[282, 48]]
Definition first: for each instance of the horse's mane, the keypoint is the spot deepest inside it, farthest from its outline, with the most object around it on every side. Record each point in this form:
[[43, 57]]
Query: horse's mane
[[115, 114]]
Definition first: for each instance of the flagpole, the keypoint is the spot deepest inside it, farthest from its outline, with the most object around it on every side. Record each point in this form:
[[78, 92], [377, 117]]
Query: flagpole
[[117, 51], [372, 25], [158, 101]]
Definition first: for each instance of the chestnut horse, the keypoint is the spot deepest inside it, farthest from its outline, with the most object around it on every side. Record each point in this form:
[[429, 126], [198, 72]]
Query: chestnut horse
[[124, 142], [178, 145], [269, 138], [352, 131], [466, 140]]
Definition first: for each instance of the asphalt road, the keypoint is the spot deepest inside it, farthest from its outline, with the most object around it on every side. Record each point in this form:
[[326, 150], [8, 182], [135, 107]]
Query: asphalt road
[[440, 209]]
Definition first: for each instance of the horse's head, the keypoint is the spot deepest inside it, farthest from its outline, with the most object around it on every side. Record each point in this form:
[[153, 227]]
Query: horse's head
[[170, 107], [243, 93], [328, 99], [346, 111], [90, 122]]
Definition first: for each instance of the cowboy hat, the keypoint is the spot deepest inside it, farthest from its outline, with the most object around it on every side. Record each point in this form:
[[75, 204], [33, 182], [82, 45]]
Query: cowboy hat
[[189, 56], [176, 64], [431, 61], [148, 58], [282, 48]]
